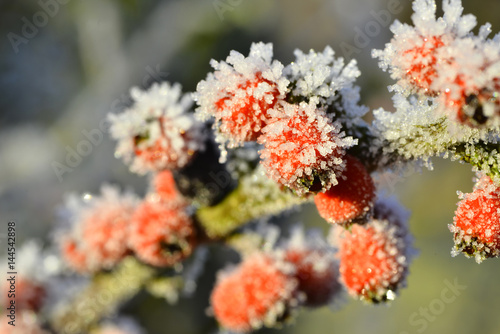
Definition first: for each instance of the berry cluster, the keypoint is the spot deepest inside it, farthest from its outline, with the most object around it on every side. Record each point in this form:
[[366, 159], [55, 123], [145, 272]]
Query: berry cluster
[[374, 257], [157, 132], [267, 287], [105, 229], [289, 110], [442, 58], [452, 79], [283, 136]]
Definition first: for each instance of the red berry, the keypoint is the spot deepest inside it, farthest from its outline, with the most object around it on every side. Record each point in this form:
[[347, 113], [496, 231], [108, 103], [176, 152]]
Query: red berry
[[242, 113], [316, 266], [240, 93], [373, 260], [303, 149], [99, 238], [257, 293], [476, 225], [157, 132], [351, 198], [161, 234]]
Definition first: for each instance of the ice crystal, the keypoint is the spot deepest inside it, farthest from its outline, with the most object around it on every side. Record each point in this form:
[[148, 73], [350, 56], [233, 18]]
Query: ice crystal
[[416, 131], [321, 75]]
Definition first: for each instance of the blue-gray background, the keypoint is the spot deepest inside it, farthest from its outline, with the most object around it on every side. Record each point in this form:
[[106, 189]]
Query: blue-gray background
[[65, 76]]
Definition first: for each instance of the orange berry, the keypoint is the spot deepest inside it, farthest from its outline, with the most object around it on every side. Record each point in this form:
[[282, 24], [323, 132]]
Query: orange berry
[[257, 293], [351, 198], [476, 225], [161, 234], [98, 239], [373, 260], [303, 149]]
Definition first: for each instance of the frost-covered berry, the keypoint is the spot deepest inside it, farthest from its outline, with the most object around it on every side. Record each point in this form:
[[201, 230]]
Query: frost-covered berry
[[161, 233], [476, 225], [29, 294], [374, 259], [316, 267], [158, 132], [259, 292], [100, 230], [239, 93], [415, 52], [351, 198], [303, 148]]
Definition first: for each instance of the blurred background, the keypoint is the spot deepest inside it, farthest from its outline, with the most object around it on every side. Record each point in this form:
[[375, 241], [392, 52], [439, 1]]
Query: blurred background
[[65, 64]]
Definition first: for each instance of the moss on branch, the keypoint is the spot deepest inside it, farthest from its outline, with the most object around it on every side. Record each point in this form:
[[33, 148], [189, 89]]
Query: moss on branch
[[254, 198], [101, 297]]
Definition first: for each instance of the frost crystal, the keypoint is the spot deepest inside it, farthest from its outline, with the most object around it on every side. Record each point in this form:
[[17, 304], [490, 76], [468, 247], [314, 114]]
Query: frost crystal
[[157, 132], [323, 76], [417, 131]]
